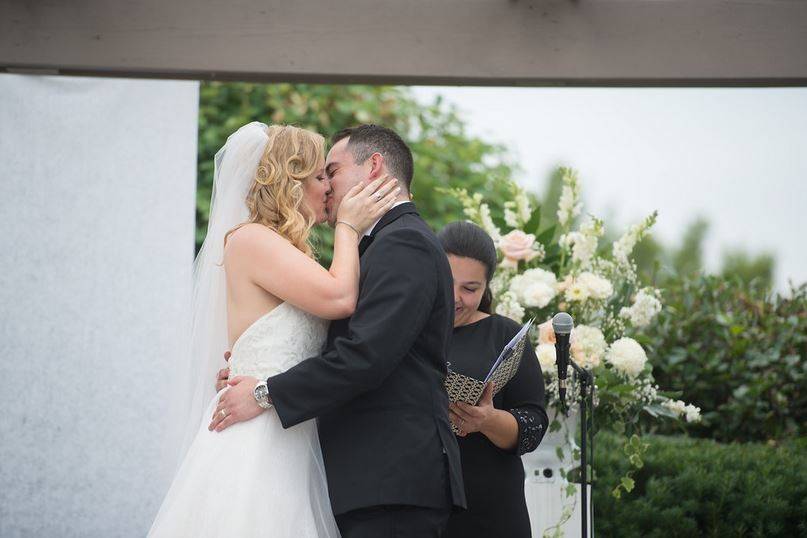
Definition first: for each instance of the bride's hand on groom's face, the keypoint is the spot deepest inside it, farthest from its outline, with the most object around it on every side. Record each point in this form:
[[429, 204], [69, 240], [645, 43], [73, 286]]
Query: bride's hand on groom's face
[[363, 204], [237, 404]]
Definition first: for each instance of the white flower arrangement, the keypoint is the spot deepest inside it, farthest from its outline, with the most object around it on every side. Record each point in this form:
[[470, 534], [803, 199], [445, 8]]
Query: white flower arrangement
[[627, 357], [557, 268], [644, 308]]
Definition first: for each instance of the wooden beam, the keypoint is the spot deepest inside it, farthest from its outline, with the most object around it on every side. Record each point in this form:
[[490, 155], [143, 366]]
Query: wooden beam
[[480, 42]]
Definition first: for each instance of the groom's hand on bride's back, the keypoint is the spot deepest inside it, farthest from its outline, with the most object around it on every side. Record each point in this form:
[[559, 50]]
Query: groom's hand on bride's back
[[236, 404], [224, 374]]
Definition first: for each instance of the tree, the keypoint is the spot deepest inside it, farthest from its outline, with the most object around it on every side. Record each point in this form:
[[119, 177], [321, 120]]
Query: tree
[[445, 154]]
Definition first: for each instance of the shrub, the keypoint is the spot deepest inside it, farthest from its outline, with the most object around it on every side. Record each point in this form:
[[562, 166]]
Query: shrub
[[737, 352], [696, 487]]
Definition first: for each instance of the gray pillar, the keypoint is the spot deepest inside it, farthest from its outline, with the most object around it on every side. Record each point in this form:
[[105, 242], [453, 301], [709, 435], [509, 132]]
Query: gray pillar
[[96, 232]]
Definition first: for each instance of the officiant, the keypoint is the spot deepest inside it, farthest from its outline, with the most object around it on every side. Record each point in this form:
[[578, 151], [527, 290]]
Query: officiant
[[496, 432]]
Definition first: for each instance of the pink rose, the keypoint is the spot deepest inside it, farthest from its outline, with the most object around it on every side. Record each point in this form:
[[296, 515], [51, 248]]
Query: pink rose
[[546, 334], [517, 245]]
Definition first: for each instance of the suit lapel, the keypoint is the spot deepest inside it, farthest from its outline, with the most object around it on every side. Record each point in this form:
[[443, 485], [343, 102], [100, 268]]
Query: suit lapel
[[392, 215]]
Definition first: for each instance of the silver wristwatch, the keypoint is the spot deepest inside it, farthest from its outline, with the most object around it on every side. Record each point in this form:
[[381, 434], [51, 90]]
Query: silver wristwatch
[[261, 394]]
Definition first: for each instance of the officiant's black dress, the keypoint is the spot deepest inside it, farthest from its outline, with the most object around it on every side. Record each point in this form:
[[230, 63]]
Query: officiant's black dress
[[494, 478]]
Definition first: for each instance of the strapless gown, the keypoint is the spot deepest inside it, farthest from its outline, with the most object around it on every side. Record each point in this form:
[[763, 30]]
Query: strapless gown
[[255, 479]]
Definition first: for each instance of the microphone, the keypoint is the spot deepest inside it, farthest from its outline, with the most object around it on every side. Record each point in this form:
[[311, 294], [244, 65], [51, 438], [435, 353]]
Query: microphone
[[562, 324]]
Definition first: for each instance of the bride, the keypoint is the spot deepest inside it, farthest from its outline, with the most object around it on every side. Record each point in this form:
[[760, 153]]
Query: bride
[[259, 292]]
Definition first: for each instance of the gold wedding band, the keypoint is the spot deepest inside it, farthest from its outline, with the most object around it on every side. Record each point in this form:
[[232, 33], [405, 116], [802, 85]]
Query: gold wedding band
[[223, 413]]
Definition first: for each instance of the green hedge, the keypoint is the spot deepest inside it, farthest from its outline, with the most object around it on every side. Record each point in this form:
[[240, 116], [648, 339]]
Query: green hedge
[[696, 487], [737, 352]]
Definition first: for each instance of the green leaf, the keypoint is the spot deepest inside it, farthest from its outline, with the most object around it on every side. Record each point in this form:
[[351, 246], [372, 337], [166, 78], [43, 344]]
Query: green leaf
[[627, 483], [533, 225], [546, 236]]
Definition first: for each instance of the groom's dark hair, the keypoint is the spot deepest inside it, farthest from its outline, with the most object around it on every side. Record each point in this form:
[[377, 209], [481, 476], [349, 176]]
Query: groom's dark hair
[[367, 139]]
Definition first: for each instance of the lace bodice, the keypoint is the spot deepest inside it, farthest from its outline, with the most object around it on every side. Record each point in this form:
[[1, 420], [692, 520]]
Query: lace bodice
[[277, 341]]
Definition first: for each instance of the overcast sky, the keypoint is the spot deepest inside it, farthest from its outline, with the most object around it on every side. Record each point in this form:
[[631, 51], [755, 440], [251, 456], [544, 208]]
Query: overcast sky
[[735, 156]]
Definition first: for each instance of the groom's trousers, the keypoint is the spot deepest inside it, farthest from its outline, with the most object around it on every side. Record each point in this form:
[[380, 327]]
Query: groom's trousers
[[394, 521]]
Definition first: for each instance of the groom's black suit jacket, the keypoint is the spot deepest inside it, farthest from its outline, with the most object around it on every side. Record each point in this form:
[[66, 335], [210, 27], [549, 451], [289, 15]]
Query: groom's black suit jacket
[[378, 386]]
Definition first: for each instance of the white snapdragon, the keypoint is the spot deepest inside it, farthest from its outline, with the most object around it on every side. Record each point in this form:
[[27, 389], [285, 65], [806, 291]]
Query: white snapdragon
[[569, 205], [546, 357], [517, 212], [486, 221], [644, 308], [588, 346], [470, 204], [623, 247], [509, 307], [534, 287], [583, 242], [523, 206], [510, 216], [626, 356]]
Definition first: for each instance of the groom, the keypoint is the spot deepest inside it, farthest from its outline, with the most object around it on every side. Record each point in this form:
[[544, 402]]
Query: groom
[[392, 462]]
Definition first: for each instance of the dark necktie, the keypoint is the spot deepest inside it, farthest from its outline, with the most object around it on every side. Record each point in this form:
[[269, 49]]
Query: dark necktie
[[364, 243]]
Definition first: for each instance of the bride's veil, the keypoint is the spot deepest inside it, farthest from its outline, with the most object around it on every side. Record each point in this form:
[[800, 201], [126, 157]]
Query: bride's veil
[[235, 166]]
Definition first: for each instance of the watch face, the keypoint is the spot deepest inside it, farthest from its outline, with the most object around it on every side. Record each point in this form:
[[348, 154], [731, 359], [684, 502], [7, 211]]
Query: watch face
[[261, 391]]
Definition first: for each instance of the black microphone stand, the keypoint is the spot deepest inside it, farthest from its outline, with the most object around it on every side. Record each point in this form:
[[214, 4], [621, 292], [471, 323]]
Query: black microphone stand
[[586, 380]]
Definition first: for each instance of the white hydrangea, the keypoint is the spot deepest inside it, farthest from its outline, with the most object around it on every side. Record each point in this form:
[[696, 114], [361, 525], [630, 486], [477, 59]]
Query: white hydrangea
[[626, 356], [546, 357], [693, 413], [569, 205], [588, 346], [588, 285], [498, 283], [538, 294], [509, 307], [598, 287], [534, 287], [644, 308]]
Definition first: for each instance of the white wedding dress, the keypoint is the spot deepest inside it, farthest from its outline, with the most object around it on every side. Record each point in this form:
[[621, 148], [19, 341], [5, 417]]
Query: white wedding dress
[[255, 478]]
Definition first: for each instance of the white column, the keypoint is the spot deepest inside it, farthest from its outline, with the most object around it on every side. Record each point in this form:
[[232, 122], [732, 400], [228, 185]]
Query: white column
[[97, 187]]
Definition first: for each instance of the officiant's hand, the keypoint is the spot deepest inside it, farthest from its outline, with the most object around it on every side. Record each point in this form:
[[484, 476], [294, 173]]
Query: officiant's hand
[[223, 375], [473, 418], [238, 404]]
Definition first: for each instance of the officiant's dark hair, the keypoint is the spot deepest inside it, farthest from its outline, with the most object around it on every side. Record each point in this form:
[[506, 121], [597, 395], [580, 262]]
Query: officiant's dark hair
[[368, 139], [467, 240]]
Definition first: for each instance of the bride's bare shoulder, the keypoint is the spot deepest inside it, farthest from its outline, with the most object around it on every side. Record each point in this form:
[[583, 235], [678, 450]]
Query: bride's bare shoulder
[[254, 238]]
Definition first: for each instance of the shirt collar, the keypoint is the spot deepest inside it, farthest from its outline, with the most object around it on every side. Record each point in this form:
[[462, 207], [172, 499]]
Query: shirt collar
[[396, 204]]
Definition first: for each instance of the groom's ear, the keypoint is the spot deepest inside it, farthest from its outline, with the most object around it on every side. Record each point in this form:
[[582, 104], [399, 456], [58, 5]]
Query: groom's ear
[[376, 162]]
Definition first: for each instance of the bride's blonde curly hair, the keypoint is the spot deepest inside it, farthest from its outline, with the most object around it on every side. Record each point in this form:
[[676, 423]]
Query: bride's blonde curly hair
[[275, 199]]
